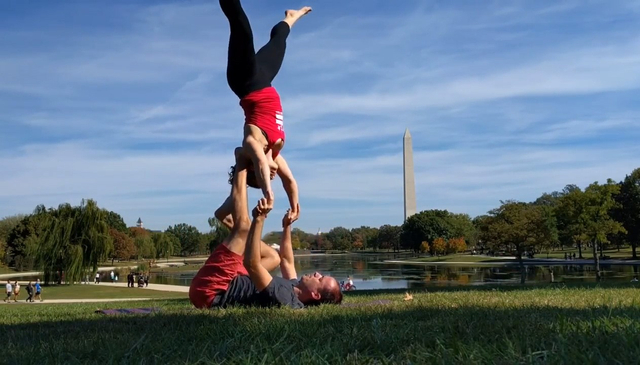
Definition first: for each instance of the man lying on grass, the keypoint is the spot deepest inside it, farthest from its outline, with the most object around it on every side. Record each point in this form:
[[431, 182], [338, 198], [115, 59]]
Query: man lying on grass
[[237, 272]]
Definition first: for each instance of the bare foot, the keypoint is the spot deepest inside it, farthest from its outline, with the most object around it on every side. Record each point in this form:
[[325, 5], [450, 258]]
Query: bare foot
[[292, 16]]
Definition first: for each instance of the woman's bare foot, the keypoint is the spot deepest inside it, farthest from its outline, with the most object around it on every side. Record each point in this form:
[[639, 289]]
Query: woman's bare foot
[[292, 16]]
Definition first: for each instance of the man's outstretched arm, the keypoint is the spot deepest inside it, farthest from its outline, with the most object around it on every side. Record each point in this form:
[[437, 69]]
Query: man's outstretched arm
[[252, 256], [287, 264]]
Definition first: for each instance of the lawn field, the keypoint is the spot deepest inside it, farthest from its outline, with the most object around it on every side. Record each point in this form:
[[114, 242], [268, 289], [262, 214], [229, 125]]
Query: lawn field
[[510, 325]]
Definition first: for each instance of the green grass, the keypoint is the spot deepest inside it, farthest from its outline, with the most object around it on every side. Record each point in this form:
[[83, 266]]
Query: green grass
[[96, 291], [6, 270], [456, 258], [587, 253], [184, 268], [468, 325]]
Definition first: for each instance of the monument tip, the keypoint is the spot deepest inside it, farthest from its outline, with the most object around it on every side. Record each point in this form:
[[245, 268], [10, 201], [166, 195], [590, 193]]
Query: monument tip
[[406, 133]]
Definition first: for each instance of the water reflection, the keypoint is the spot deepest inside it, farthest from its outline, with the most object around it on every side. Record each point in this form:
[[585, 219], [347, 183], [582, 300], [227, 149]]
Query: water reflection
[[368, 273]]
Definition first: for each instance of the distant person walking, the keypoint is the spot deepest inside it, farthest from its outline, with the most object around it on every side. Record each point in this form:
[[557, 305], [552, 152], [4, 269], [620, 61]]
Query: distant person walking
[[112, 276], [9, 291], [97, 279], [38, 290], [16, 291], [30, 292]]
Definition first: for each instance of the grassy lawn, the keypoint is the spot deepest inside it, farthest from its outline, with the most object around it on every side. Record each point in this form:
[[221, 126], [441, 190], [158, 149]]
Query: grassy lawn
[[184, 268], [456, 258], [92, 291], [6, 270], [587, 253], [555, 325]]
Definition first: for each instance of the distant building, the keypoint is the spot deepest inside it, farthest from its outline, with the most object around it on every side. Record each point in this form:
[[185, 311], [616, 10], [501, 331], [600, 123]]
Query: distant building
[[139, 223]]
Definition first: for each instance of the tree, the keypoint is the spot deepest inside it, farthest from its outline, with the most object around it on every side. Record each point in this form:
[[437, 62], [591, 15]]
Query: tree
[[115, 221], [144, 247], [455, 245], [628, 211], [425, 226], [462, 226], [570, 212], [306, 240], [340, 238], [163, 245], [424, 247], [7, 224], [517, 227], [74, 239], [22, 241], [439, 246], [123, 246], [597, 218], [189, 237], [219, 232], [389, 237]]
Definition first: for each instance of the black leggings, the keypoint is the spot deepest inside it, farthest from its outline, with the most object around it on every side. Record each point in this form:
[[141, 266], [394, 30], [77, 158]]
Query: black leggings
[[248, 71]]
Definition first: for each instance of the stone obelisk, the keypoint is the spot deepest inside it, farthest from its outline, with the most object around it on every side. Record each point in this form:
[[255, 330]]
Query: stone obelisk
[[409, 178]]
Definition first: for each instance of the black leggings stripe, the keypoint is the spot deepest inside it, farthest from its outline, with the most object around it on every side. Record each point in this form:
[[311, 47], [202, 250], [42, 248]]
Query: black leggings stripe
[[248, 71]]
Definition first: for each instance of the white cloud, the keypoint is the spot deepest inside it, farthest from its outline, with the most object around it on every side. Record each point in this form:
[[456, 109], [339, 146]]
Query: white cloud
[[503, 102]]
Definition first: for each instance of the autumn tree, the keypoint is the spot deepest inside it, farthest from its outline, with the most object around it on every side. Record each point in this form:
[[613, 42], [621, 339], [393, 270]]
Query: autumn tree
[[425, 226], [424, 247], [439, 246], [456, 245], [123, 246]]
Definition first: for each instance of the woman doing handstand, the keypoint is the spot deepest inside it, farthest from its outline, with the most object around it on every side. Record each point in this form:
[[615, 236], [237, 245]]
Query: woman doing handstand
[[249, 75]]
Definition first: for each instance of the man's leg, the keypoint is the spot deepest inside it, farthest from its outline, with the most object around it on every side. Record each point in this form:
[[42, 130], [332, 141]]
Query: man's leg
[[270, 258]]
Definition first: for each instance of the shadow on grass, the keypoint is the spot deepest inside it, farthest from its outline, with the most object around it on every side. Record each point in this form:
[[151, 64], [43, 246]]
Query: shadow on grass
[[399, 333]]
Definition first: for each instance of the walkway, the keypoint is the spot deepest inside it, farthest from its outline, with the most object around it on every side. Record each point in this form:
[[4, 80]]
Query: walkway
[[513, 261], [160, 287], [60, 301]]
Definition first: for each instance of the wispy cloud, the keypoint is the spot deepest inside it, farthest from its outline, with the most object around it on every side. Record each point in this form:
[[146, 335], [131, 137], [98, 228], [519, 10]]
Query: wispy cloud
[[130, 105]]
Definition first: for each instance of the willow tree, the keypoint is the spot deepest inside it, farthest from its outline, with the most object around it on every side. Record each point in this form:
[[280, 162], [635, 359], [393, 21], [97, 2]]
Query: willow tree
[[74, 241]]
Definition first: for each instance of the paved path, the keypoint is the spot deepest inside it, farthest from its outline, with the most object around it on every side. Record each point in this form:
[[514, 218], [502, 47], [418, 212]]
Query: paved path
[[515, 262], [59, 301], [160, 287]]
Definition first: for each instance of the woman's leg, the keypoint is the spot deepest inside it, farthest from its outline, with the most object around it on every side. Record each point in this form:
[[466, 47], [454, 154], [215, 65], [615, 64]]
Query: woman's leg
[[241, 62], [269, 58]]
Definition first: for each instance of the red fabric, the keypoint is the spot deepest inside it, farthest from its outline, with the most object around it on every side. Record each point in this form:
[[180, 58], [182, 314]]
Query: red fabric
[[263, 109], [216, 274]]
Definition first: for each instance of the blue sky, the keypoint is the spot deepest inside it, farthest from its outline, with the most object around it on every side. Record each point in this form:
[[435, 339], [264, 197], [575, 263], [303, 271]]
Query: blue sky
[[126, 102]]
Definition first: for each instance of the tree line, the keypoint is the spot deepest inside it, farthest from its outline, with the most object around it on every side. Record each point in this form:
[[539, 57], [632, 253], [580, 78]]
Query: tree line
[[74, 239]]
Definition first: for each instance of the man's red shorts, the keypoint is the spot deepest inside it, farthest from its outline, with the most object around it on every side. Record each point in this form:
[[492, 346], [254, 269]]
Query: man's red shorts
[[216, 274]]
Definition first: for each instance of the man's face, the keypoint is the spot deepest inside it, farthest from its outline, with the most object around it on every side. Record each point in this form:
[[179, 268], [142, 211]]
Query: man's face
[[311, 285]]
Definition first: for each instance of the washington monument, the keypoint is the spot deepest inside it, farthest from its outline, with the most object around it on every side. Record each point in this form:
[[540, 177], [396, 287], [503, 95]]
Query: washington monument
[[409, 178]]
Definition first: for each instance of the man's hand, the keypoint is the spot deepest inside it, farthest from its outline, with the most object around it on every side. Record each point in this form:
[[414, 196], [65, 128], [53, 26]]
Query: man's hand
[[292, 214], [261, 210], [286, 221]]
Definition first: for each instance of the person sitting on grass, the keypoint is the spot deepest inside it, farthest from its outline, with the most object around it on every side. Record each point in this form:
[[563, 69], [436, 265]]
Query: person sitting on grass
[[231, 276]]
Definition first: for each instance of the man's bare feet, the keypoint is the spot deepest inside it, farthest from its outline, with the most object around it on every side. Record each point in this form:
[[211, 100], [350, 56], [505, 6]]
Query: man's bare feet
[[292, 16]]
